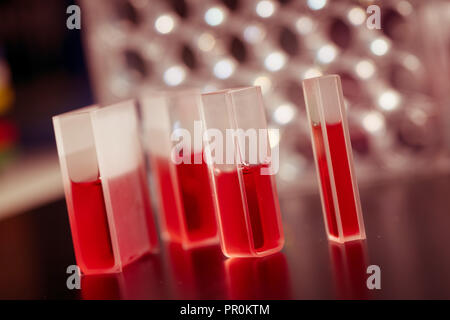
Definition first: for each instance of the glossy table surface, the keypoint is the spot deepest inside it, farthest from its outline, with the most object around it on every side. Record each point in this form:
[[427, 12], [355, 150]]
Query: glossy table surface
[[407, 224]]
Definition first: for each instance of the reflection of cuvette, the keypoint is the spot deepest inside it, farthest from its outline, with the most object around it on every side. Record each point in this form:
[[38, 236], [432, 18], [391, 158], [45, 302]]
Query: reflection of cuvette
[[101, 287], [349, 261], [142, 279], [259, 278], [196, 273]]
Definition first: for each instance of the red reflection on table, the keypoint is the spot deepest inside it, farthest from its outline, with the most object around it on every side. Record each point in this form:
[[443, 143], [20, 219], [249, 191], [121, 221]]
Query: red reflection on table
[[142, 279], [259, 278], [101, 287], [197, 273], [349, 262]]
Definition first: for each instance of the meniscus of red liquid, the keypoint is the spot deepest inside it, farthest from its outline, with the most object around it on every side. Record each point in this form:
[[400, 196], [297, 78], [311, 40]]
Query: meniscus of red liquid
[[130, 203], [90, 228]]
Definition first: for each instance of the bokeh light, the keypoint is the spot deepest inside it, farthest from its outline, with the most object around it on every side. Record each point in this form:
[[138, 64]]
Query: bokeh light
[[379, 46], [265, 8], [224, 68], [389, 100], [365, 69], [316, 4], [327, 54], [275, 61], [165, 24], [215, 16], [174, 75]]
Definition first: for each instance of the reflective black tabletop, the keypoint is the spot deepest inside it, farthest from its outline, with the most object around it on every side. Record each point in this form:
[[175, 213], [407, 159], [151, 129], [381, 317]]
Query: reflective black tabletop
[[407, 224]]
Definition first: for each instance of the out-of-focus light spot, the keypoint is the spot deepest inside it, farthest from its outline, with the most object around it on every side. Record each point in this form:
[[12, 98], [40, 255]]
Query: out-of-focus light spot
[[304, 25], [254, 33], [418, 116], [404, 8], [346, 104], [327, 54], [264, 82], [265, 8], [365, 69], [284, 113], [379, 46], [164, 24], [206, 42], [111, 35], [176, 125], [389, 100], [316, 4], [139, 4], [289, 171], [214, 16], [373, 122], [275, 61], [312, 73], [174, 75], [411, 62], [120, 86], [274, 136], [356, 16], [209, 88], [223, 69]]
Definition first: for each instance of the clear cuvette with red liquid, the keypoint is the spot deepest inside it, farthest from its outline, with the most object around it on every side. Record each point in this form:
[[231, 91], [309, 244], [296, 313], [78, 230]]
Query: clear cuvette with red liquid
[[247, 201], [173, 134], [105, 184], [333, 156]]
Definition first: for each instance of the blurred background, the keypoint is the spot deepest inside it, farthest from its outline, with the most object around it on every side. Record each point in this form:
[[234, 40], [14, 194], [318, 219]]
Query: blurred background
[[396, 79], [42, 73]]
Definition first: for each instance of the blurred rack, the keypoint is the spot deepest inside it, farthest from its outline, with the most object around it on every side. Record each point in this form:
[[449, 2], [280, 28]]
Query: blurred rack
[[31, 181], [398, 103]]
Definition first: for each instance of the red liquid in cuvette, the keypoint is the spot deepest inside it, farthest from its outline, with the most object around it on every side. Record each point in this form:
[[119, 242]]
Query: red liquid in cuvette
[[90, 230], [134, 226], [259, 204], [167, 199], [342, 177], [197, 214]]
